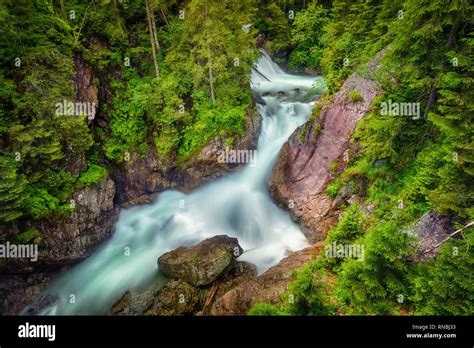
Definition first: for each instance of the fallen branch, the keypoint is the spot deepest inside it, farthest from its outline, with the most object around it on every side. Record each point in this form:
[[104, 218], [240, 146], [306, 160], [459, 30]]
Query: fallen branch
[[450, 236], [211, 294]]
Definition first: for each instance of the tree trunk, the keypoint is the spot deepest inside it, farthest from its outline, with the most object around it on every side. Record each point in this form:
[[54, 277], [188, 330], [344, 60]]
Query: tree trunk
[[152, 40], [155, 35], [164, 18], [431, 100], [63, 11]]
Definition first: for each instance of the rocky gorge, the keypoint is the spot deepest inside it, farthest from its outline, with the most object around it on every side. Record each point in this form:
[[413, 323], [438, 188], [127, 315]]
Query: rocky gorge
[[298, 183], [66, 240], [206, 278]]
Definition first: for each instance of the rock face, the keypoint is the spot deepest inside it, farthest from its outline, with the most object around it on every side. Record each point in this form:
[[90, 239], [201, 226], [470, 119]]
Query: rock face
[[206, 166], [306, 161], [142, 176], [203, 263], [71, 239], [64, 241], [17, 290], [87, 90], [430, 230]]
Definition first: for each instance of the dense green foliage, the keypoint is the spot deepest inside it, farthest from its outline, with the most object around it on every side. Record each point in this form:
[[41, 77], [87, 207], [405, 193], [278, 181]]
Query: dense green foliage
[[202, 92], [308, 294], [308, 48], [34, 139]]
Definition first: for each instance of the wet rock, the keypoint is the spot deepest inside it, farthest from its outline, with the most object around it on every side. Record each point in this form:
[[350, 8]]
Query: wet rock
[[18, 290], [121, 307], [156, 299], [176, 298], [203, 263], [134, 302], [145, 199], [239, 274]]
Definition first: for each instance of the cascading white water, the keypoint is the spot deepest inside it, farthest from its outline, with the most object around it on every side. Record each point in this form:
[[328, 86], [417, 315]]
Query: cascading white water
[[237, 205]]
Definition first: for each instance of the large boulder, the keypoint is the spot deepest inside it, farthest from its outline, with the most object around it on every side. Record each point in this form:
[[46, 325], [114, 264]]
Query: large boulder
[[233, 292], [180, 298], [306, 163], [176, 298], [203, 263]]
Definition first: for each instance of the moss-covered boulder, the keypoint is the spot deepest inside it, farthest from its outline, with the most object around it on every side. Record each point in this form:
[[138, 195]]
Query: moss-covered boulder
[[201, 264]]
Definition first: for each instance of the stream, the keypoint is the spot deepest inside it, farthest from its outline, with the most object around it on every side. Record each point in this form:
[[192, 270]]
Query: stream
[[237, 205]]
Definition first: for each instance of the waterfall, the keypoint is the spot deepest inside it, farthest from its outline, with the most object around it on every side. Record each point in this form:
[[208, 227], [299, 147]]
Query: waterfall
[[237, 205]]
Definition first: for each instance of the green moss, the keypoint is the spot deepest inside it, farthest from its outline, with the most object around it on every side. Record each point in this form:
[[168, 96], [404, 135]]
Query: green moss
[[265, 309], [195, 258], [332, 190], [355, 96], [229, 142], [93, 175], [303, 133], [333, 168], [30, 235], [315, 112], [308, 294], [316, 132]]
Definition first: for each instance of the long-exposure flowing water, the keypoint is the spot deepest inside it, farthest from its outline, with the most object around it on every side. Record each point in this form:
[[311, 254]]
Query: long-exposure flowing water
[[237, 205]]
